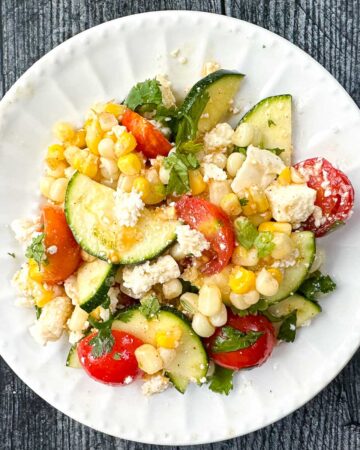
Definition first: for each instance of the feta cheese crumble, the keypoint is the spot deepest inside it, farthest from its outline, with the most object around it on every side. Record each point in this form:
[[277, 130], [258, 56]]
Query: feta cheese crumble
[[213, 172], [25, 229], [260, 168], [293, 203], [210, 67], [155, 384], [140, 279], [128, 207], [191, 242], [166, 92], [219, 137]]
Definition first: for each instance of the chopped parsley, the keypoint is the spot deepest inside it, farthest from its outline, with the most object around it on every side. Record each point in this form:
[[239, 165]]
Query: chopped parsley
[[264, 243], [245, 232], [37, 312], [103, 342], [230, 339], [287, 331], [317, 284], [221, 381], [275, 150], [179, 165], [36, 250], [244, 201], [125, 316], [150, 306]]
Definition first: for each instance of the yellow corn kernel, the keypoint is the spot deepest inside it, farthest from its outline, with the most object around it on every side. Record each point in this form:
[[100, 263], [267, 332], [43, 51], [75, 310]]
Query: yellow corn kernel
[[129, 164], [196, 181], [95, 313], [249, 206], [285, 176], [82, 160], [125, 144], [115, 108], [40, 294], [276, 273], [169, 338], [276, 227], [142, 185], [257, 219], [156, 195], [64, 131], [230, 204], [34, 271], [93, 136], [55, 168], [55, 151], [259, 198], [80, 138], [241, 280], [111, 135]]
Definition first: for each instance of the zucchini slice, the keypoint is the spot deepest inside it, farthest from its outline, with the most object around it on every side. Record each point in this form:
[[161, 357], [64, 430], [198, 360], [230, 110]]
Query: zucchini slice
[[306, 309], [72, 359], [295, 275], [93, 281], [89, 209], [272, 117], [207, 103], [190, 363]]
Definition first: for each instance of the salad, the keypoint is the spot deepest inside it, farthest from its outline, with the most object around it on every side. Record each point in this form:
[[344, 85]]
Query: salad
[[172, 247]]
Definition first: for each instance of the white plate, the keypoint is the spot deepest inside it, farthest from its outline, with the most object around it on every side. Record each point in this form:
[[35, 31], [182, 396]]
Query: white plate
[[103, 63]]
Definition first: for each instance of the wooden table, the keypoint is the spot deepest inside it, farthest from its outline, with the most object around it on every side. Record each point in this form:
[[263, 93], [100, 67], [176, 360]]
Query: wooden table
[[329, 30]]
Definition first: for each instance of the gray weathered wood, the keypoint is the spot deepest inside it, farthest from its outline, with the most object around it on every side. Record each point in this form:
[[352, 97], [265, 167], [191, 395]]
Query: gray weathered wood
[[327, 29]]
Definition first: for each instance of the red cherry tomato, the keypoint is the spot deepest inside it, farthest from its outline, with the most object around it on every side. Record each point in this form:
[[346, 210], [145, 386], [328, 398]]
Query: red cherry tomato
[[334, 193], [66, 259], [214, 224], [149, 140], [251, 356], [119, 366]]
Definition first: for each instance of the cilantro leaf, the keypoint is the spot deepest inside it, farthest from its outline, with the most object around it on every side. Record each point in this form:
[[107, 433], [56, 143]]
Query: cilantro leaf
[[150, 306], [188, 287], [36, 250], [264, 243], [244, 201], [287, 331], [190, 147], [37, 311], [102, 343], [221, 381], [125, 316], [245, 232], [106, 302], [275, 150], [188, 124], [317, 284], [271, 123], [230, 339], [179, 164], [260, 306], [144, 93]]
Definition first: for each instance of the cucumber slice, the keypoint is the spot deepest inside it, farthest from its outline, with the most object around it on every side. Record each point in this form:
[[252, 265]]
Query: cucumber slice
[[72, 359], [190, 363], [207, 103], [295, 275], [272, 117], [89, 209], [93, 281], [306, 309]]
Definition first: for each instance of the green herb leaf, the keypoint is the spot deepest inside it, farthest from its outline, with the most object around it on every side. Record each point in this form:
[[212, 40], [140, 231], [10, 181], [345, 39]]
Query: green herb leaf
[[230, 339], [179, 164], [244, 201], [317, 284], [260, 306], [125, 316], [106, 302], [145, 93], [11, 254], [37, 311], [117, 356], [188, 287], [264, 243], [221, 381], [150, 306], [36, 250], [242, 150], [188, 125], [190, 147], [275, 150], [271, 123], [245, 232], [287, 331], [102, 343]]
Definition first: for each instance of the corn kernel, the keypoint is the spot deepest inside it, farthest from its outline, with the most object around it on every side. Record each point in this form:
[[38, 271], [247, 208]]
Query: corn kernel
[[142, 185], [115, 108], [55, 151], [45, 185], [64, 131], [125, 144], [148, 358], [110, 135], [58, 190], [41, 295], [129, 164], [95, 313], [196, 181], [266, 284], [94, 135], [79, 139], [125, 182], [210, 301], [34, 271], [156, 195], [257, 219], [276, 273], [285, 177], [276, 227], [243, 257], [230, 204], [82, 160], [55, 168], [169, 338], [107, 121], [242, 280]]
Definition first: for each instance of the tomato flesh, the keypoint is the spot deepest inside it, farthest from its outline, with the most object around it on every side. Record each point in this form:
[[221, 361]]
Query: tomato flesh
[[334, 194], [119, 366], [214, 224], [149, 140], [254, 355], [66, 257]]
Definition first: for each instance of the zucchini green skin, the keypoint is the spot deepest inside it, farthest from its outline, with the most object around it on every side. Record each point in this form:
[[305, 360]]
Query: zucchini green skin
[[191, 361], [93, 290], [220, 87], [277, 132], [306, 309], [295, 275], [86, 204], [72, 359]]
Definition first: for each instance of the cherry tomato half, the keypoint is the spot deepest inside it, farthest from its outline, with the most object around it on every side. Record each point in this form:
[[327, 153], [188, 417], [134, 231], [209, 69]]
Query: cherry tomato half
[[119, 366], [149, 140], [251, 356], [214, 224], [334, 193], [65, 257]]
